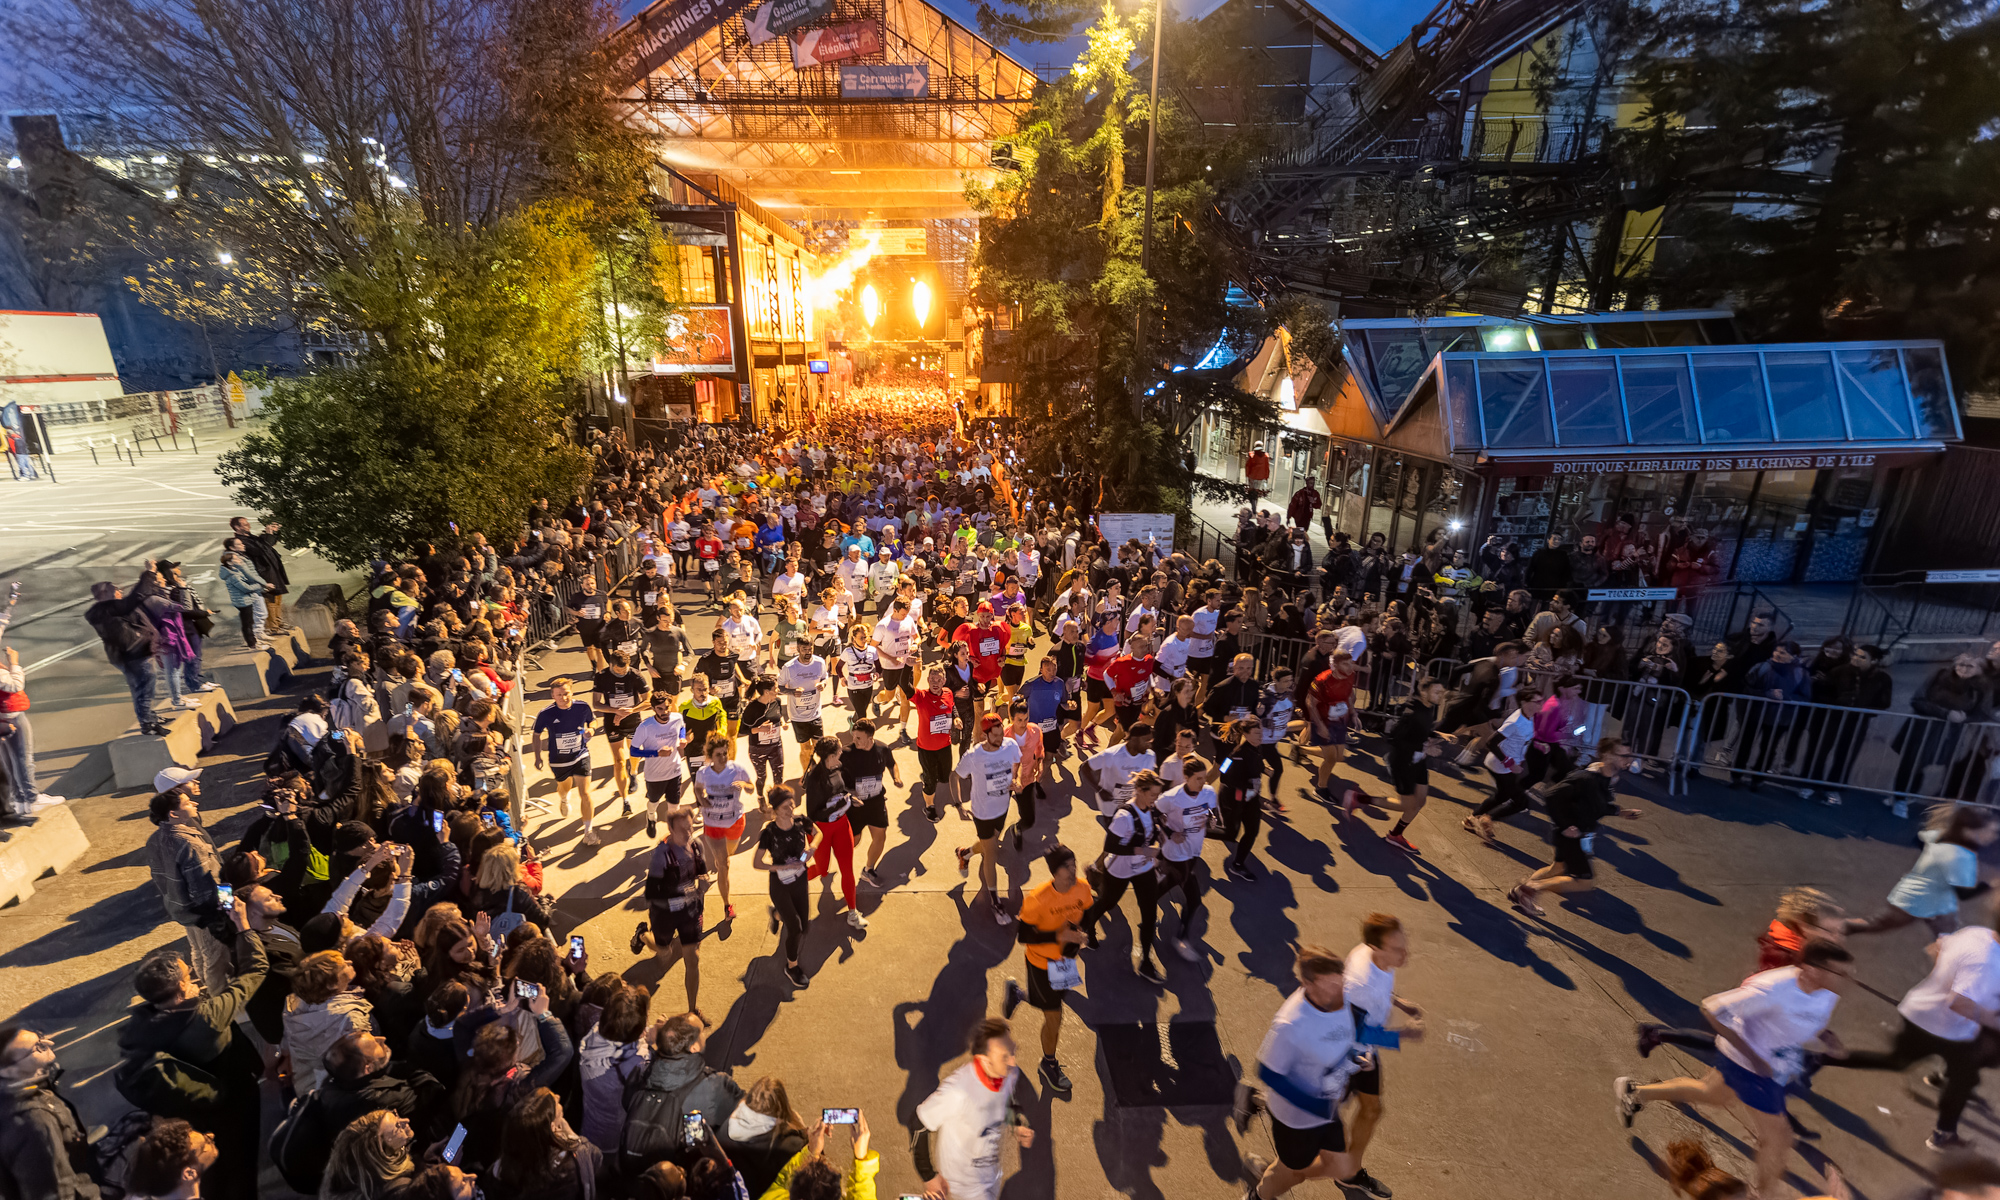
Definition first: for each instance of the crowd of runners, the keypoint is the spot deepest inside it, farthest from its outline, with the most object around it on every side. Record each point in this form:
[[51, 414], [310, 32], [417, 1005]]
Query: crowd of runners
[[903, 622]]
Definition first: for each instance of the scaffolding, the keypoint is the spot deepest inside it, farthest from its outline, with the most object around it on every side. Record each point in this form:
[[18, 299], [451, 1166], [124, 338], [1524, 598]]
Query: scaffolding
[[787, 136]]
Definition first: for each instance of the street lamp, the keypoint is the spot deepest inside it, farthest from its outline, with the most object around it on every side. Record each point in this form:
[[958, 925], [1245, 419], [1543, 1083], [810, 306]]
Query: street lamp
[[920, 300], [871, 305]]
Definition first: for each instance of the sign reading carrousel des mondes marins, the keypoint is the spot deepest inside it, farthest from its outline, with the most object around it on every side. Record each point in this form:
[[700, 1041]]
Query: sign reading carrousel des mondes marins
[[832, 43], [666, 29], [885, 81], [776, 18]]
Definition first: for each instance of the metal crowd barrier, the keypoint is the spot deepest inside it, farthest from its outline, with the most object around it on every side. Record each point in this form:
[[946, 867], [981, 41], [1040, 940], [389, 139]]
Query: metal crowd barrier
[[1824, 747]]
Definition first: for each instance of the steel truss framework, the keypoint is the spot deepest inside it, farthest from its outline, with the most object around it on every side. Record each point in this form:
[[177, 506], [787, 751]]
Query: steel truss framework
[[786, 137]]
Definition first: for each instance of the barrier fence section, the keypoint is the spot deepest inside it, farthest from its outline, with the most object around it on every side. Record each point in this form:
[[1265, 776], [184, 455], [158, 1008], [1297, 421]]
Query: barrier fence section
[[1824, 747]]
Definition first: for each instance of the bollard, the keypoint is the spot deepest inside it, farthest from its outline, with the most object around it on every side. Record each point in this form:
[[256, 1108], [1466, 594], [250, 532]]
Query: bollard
[[191, 442], [92, 443], [156, 444]]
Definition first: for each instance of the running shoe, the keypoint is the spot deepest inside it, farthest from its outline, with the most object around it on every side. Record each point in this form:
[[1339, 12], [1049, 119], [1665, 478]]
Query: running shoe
[[729, 912], [855, 918], [1254, 1166], [208, 687], [1524, 900], [652, 826], [624, 806], [1943, 1143], [189, 702], [1649, 1038], [1628, 1101], [590, 838], [869, 877], [931, 813], [798, 977], [1362, 1183], [639, 938], [48, 800], [1000, 916], [1186, 951], [1149, 971], [1350, 800], [1014, 995], [1052, 1074], [562, 806], [1402, 843], [964, 861]]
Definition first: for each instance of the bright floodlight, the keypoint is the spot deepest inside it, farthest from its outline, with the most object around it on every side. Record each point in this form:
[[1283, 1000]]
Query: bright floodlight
[[871, 305], [920, 299]]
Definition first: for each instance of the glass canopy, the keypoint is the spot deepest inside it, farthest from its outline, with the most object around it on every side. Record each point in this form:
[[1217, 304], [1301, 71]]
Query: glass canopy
[[1723, 396]]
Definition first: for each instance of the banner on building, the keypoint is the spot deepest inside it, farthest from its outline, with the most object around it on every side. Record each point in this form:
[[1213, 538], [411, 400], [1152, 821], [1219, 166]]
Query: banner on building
[[699, 341], [885, 81], [664, 30], [776, 18], [904, 241], [1146, 528], [832, 43]]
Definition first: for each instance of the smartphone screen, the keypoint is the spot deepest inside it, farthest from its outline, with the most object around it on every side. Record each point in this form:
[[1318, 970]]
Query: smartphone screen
[[437, 821], [691, 1133], [451, 1147], [225, 896], [526, 990], [840, 1116], [576, 945]]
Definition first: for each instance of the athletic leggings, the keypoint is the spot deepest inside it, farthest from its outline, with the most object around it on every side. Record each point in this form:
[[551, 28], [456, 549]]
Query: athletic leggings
[[1273, 754], [1025, 801], [763, 758], [1187, 877], [1510, 795], [836, 838], [791, 900], [1146, 886], [1962, 1064], [1242, 817], [860, 703]]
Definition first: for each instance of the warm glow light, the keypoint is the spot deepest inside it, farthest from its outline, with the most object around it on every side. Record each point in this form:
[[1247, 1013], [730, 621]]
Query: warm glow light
[[826, 288], [871, 305], [920, 299]]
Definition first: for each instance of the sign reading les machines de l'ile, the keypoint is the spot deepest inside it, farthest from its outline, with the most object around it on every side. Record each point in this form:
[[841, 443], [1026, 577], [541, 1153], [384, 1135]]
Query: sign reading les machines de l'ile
[[666, 29]]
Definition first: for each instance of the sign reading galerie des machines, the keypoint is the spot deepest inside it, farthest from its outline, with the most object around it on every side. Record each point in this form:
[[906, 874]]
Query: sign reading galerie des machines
[[1616, 464]]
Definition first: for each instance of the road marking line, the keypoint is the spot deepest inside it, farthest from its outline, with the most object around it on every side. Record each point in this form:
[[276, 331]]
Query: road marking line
[[79, 648]]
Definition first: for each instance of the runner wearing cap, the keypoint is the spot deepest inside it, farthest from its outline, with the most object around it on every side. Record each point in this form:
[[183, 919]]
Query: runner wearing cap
[[987, 645], [986, 778]]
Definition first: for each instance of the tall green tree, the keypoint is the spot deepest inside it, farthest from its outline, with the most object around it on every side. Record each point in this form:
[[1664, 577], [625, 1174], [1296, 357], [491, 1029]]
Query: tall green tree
[[1061, 245], [1830, 169], [452, 187]]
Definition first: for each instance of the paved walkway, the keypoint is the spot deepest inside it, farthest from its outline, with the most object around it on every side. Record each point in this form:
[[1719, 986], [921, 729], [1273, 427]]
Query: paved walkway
[[1508, 1096]]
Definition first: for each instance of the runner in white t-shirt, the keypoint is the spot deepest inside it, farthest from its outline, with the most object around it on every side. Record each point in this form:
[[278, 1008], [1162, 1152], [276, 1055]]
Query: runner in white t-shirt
[[986, 782], [1108, 773], [895, 644], [719, 787], [1131, 850], [801, 681], [1303, 1069], [1763, 1030], [1369, 982], [657, 745], [1184, 810], [968, 1115]]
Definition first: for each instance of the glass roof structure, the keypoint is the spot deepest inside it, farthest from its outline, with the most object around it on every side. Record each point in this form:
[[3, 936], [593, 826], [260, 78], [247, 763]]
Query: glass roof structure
[[1667, 383]]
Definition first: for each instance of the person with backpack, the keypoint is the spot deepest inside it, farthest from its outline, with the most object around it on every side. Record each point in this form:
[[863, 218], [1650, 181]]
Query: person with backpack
[[42, 1149], [128, 637], [360, 1079], [678, 1082], [184, 1057]]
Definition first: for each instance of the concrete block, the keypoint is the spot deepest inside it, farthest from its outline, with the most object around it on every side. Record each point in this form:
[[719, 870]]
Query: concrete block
[[191, 732], [248, 675], [316, 609], [47, 845], [292, 647]]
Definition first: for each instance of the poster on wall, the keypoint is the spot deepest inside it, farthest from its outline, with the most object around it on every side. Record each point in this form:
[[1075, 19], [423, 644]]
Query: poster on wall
[[1119, 528], [699, 341], [832, 43], [648, 40], [776, 18]]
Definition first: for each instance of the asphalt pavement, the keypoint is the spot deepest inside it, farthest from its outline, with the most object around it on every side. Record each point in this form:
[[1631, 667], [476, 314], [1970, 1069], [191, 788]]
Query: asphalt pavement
[[1508, 1096]]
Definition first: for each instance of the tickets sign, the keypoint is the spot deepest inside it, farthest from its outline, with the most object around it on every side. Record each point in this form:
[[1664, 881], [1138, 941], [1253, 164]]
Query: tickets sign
[[1633, 593]]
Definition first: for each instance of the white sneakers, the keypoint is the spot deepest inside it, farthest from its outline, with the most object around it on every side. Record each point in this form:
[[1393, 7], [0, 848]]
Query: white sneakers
[[47, 800], [855, 918]]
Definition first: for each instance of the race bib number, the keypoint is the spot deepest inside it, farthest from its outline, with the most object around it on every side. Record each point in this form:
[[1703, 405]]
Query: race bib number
[[1065, 973], [805, 708], [790, 872], [1337, 711], [1073, 685], [1048, 726], [941, 723], [769, 735], [988, 647], [628, 649], [710, 564], [719, 807], [1140, 689], [868, 788], [570, 743], [725, 688], [649, 599], [591, 611], [1122, 791], [623, 701], [1237, 714], [999, 782]]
